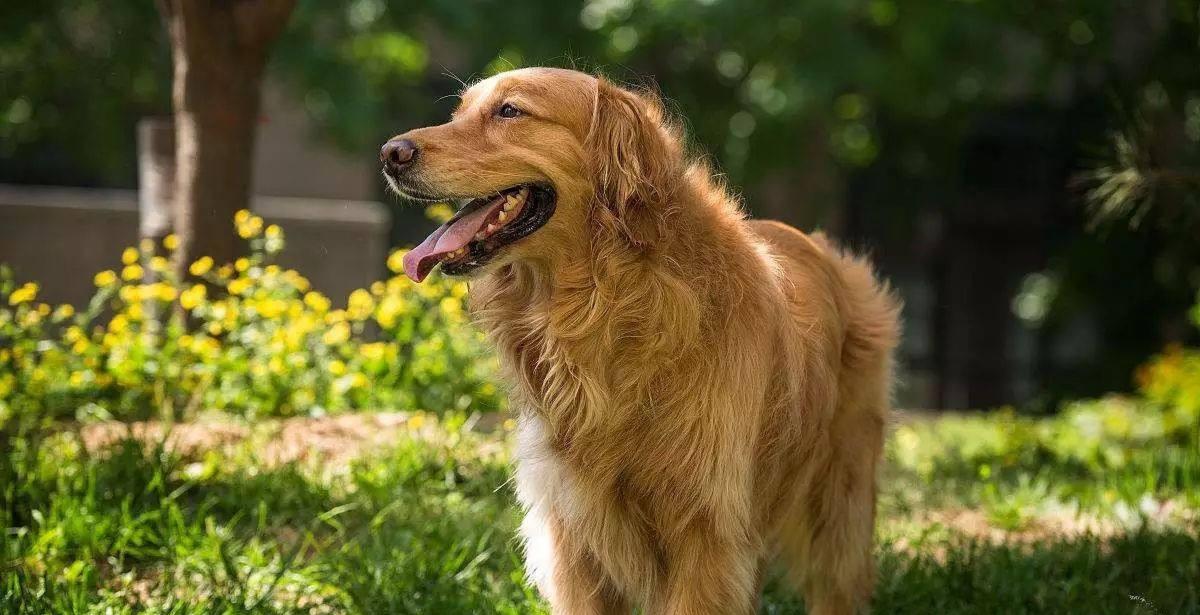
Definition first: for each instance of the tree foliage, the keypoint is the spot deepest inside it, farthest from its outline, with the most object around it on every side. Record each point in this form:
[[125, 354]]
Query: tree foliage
[[750, 76]]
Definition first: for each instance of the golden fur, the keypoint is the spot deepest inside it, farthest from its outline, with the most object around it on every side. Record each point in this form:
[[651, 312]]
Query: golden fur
[[700, 395]]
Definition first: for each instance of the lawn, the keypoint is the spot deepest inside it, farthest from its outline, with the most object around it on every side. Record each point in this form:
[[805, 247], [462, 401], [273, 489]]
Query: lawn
[[392, 513]]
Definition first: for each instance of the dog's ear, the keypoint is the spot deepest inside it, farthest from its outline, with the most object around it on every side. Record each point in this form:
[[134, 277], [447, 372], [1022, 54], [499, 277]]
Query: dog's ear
[[632, 163]]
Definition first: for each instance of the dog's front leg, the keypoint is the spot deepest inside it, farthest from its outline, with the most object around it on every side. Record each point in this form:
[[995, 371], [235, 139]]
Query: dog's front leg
[[576, 585], [708, 574]]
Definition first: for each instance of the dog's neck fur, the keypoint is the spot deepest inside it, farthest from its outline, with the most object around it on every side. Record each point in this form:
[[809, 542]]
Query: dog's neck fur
[[576, 336]]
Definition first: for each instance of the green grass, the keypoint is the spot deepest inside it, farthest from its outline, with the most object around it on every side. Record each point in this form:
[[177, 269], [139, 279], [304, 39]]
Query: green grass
[[428, 525]]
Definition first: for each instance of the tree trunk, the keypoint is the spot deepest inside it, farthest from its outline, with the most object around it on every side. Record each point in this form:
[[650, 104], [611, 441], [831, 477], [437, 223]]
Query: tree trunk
[[220, 48]]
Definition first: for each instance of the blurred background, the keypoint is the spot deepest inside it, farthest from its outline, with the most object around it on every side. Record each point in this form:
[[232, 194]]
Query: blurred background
[[1024, 171], [220, 394]]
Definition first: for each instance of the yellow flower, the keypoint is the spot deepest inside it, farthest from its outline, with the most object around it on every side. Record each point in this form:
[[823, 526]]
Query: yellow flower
[[7, 383], [31, 319], [73, 334], [300, 282], [27, 292], [416, 421], [104, 278], [374, 351], [337, 368], [391, 307], [451, 306], [316, 301], [250, 228], [191, 298], [164, 291], [214, 328], [335, 317], [77, 379], [337, 334], [171, 242], [274, 232], [439, 212], [206, 346], [270, 308], [459, 289], [239, 286], [135, 311], [129, 256], [241, 216], [509, 424], [132, 272], [80, 346], [130, 294], [118, 324], [202, 266], [360, 305], [43, 309], [395, 261], [241, 264], [146, 245], [159, 264], [64, 311]]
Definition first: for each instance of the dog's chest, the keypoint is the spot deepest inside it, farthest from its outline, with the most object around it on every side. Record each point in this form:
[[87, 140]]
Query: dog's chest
[[611, 484]]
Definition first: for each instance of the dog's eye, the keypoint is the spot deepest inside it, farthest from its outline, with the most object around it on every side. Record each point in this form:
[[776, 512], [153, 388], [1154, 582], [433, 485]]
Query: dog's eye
[[507, 110]]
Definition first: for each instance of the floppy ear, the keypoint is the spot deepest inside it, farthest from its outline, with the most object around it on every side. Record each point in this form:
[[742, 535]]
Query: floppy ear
[[631, 163]]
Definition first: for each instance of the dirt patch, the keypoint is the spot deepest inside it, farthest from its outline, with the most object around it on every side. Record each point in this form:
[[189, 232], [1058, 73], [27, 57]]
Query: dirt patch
[[331, 440], [1041, 528]]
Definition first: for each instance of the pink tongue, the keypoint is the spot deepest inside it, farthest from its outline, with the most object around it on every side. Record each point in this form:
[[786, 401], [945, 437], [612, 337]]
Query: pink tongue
[[449, 237]]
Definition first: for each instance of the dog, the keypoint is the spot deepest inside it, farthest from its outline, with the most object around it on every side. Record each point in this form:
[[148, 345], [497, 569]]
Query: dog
[[702, 398]]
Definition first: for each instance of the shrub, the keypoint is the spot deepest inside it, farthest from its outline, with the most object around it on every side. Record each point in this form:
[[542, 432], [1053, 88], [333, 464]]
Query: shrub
[[246, 337], [1156, 428]]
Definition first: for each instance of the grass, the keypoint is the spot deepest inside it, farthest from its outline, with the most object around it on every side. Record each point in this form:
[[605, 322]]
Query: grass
[[426, 525]]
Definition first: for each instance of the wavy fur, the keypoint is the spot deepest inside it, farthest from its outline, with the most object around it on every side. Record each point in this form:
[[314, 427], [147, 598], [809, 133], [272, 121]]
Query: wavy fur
[[699, 395]]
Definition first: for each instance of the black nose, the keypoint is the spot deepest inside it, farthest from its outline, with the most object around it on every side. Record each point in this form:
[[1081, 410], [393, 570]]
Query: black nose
[[397, 154]]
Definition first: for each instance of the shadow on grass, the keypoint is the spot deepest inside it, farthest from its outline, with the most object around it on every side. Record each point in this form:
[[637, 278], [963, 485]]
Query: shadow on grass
[[1144, 572]]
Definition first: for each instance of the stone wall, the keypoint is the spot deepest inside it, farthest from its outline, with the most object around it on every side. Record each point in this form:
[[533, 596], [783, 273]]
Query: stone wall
[[60, 237]]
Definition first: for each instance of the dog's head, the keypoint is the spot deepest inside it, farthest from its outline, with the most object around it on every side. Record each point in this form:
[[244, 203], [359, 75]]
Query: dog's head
[[541, 162]]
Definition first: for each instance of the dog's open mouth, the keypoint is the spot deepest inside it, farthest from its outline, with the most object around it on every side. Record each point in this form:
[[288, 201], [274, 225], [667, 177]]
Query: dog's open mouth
[[481, 229]]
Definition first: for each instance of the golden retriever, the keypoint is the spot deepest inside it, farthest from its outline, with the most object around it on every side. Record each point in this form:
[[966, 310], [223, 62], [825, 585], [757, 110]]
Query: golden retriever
[[702, 398]]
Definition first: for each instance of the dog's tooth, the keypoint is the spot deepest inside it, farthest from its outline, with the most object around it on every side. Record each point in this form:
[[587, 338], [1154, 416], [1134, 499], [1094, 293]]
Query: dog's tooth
[[510, 202], [491, 228], [503, 217], [480, 236]]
